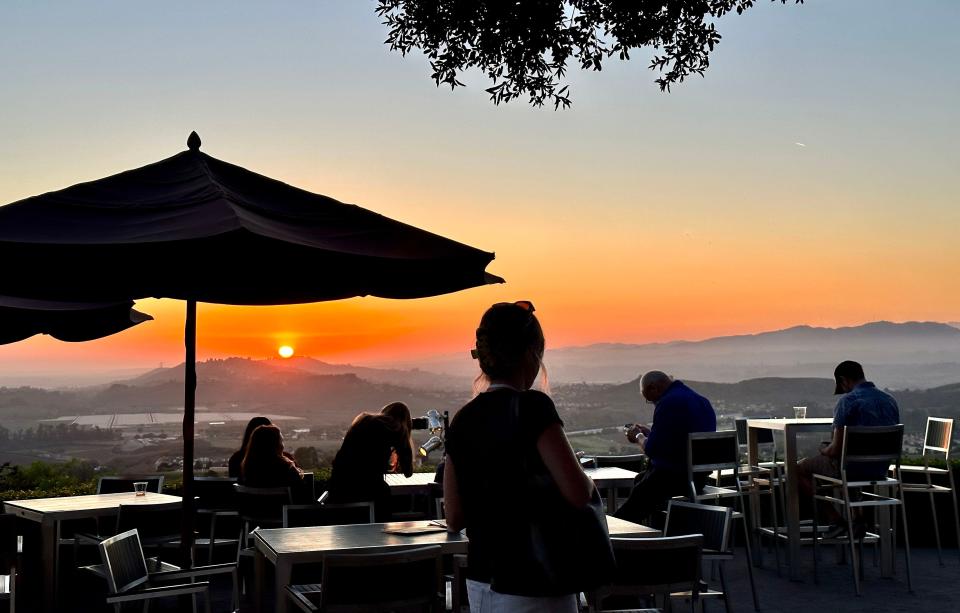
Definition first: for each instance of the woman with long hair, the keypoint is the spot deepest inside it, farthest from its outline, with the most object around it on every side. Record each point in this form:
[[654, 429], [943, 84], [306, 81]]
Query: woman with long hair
[[233, 466], [374, 445], [265, 463], [508, 420]]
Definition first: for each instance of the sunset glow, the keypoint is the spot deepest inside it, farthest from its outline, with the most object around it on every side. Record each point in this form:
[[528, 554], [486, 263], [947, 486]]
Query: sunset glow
[[803, 180]]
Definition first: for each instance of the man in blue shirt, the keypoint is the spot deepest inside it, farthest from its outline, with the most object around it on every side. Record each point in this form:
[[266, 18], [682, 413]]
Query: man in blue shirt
[[862, 404], [678, 411]]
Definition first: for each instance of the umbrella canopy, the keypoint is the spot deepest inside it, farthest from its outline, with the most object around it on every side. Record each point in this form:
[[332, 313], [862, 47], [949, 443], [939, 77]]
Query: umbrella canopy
[[202, 230], [67, 321], [205, 230]]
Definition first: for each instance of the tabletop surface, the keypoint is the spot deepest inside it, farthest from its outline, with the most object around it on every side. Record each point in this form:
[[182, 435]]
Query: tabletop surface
[[92, 502], [781, 424], [331, 539], [395, 479], [609, 472]]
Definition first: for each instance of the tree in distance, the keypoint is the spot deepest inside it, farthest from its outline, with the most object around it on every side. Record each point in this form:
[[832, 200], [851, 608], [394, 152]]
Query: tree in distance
[[524, 46]]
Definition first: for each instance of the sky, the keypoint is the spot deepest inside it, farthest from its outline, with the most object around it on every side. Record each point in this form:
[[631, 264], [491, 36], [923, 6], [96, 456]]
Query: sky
[[809, 178]]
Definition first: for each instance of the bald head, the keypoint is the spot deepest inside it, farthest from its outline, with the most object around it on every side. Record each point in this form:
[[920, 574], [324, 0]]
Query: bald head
[[654, 384]]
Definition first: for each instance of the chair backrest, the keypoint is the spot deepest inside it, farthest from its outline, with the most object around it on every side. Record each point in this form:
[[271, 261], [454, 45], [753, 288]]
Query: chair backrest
[[299, 515], [939, 436], [404, 579], [764, 436], [712, 521], [124, 483], [123, 561], [152, 522], [214, 493], [262, 506], [870, 446], [655, 565], [710, 451], [633, 462]]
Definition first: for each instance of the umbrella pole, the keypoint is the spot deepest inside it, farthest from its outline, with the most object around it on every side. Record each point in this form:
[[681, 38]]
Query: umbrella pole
[[189, 403]]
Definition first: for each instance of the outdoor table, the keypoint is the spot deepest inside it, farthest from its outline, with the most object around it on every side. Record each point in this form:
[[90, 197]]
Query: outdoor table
[[417, 483], [50, 512], [608, 477], [611, 478], [790, 429], [285, 547]]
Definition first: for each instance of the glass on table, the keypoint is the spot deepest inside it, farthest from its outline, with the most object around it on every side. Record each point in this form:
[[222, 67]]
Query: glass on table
[[140, 488], [800, 412]]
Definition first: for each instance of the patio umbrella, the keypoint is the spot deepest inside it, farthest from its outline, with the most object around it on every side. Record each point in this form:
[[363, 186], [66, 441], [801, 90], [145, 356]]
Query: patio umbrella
[[203, 230], [73, 322]]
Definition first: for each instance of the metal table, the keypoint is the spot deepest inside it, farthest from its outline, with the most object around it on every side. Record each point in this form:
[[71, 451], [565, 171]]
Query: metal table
[[790, 428], [285, 547], [611, 478], [417, 483], [50, 512]]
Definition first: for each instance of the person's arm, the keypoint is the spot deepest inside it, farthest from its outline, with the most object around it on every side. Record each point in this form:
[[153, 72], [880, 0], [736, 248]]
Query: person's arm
[[575, 486], [451, 498], [404, 451], [836, 445]]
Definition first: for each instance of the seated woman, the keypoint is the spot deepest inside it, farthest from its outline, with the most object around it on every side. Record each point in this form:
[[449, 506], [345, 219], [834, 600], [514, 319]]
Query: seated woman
[[367, 452], [266, 465], [237, 458]]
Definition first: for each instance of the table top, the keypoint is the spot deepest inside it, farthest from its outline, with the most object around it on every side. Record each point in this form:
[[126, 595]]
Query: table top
[[610, 473], [810, 423], [416, 479], [310, 542], [93, 505]]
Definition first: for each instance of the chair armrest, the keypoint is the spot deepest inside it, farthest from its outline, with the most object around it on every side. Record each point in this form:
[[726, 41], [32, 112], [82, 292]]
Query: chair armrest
[[160, 592], [85, 538], [199, 571], [323, 497]]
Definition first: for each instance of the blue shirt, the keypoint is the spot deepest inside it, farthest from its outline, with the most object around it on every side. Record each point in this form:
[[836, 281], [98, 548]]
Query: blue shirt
[[679, 412], [865, 405]]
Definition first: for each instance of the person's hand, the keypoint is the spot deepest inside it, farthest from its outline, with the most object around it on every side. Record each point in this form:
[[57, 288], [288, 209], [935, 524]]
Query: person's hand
[[644, 430]]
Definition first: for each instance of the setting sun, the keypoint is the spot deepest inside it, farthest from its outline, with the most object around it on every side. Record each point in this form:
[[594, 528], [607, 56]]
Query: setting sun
[[285, 351]]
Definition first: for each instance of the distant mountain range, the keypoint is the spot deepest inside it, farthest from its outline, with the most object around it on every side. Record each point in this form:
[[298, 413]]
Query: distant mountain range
[[897, 355]]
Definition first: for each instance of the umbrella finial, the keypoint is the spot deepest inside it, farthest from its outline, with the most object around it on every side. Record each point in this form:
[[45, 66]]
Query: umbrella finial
[[193, 141]]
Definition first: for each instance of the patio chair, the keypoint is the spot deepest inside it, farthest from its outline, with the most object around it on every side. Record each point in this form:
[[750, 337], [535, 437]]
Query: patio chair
[[215, 502], [714, 523], [129, 578], [257, 507], [765, 478], [718, 451], [157, 525], [936, 440], [864, 447], [299, 515], [653, 567], [409, 580], [10, 550]]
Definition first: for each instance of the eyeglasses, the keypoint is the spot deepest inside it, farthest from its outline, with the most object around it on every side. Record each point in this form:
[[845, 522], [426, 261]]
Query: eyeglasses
[[526, 305]]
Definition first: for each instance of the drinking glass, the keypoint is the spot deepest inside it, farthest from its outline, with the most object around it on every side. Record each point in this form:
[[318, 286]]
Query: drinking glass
[[140, 487], [800, 412]]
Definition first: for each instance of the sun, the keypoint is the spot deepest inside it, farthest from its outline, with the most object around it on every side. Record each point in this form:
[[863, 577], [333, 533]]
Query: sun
[[285, 351]]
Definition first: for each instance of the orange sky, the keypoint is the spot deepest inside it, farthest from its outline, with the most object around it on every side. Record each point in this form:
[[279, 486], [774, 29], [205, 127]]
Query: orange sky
[[803, 180]]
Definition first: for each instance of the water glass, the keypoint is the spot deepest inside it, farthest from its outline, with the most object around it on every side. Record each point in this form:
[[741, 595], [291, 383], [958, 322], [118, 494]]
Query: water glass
[[800, 412], [140, 487]]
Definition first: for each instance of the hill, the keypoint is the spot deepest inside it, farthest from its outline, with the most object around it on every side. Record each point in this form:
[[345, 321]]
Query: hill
[[898, 355]]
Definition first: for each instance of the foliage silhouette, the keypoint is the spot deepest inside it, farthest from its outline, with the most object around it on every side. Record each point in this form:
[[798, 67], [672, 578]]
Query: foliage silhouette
[[524, 47]]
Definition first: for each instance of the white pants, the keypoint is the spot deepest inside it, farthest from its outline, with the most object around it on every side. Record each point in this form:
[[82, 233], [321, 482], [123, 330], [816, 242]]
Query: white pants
[[485, 600]]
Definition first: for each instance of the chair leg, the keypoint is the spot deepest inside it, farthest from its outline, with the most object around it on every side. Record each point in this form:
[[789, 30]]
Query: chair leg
[[854, 560], [775, 475], [933, 513], [956, 510], [726, 593], [816, 535], [746, 543], [906, 539]]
